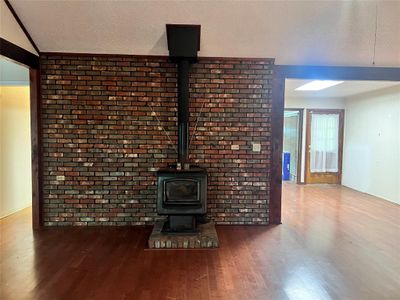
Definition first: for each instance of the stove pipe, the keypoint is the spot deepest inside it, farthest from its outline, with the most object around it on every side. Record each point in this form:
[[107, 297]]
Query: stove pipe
[[183, 110], [183, 44]]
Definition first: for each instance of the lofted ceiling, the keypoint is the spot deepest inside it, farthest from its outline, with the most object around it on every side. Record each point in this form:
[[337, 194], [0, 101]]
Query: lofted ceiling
[[293, 32], [344, 90]]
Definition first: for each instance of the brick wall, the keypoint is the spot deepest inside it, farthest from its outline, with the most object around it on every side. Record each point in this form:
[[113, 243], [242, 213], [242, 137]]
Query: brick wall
[[108, 123]]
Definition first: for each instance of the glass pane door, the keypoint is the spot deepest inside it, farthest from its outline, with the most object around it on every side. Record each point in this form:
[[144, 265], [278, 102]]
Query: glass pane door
[[324, 146]]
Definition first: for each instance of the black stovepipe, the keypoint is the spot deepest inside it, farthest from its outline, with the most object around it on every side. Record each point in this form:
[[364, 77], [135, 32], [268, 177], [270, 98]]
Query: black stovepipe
[[183, 110]]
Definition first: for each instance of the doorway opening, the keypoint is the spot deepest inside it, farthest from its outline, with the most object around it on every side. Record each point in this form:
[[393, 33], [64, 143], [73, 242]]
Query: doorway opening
[[15, 139], [293, 72], [348, 138], [292, 144]]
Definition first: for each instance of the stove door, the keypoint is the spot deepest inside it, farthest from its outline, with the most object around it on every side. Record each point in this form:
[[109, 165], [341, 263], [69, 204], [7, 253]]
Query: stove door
[[181, 191]]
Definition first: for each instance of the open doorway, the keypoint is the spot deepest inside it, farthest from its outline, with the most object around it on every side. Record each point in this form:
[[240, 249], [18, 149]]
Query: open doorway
[[15, 138], [292, 143], [279, 91], [350, 135], [323, 145]]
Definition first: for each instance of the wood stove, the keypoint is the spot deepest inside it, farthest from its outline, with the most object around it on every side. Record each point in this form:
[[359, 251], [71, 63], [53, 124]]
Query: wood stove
[[182, 193]]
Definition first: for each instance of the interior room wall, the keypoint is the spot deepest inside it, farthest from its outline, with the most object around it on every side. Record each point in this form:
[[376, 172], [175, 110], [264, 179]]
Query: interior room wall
[[13, 74], [15, 149], [109, 122], [371, 154], [11, 31], [310, 103], [328, 103]]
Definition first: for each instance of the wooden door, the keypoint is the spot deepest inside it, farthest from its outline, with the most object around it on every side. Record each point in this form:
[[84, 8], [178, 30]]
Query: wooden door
[[324, 165]]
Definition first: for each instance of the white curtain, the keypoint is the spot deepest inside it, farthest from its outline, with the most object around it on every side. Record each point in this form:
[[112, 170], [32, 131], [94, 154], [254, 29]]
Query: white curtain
[[324, 147]]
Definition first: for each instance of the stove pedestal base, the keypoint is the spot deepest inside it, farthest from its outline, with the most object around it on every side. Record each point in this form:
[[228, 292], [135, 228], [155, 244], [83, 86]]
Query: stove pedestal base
[[180, 225], [205, 237]]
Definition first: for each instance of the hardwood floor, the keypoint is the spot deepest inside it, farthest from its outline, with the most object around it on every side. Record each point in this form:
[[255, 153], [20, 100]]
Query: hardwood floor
[[334, 243]]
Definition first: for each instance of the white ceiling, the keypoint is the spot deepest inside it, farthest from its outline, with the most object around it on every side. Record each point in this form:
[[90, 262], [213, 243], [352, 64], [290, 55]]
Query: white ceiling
[[344, 90], [293, 32]]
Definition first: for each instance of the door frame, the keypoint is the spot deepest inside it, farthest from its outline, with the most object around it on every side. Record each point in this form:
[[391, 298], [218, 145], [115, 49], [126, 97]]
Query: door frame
[[30, 60], [280, 74], [308, 138], [300, 142]]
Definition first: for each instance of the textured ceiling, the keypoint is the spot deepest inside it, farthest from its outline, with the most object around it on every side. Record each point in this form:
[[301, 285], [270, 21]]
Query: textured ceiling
[[346, 89], [293, 32]]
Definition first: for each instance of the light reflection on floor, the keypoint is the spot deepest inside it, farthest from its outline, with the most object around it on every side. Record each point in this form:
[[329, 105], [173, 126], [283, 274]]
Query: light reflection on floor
[[303, 284]]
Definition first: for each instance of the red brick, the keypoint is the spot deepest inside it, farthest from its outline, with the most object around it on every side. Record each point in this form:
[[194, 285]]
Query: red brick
[[99, 131]]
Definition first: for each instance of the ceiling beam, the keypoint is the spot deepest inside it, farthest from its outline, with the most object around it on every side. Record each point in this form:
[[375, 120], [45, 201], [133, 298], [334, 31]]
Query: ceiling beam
[[337, 73], [18, 54]]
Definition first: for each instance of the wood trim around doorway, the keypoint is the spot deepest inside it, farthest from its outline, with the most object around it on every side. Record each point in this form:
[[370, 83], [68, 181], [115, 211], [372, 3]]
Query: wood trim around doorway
[[34, 83], [22, 56], [275, 182]]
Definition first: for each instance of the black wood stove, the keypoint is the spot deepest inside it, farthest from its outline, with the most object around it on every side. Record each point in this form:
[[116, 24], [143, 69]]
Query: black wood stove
[[182, 188], [182, 195]]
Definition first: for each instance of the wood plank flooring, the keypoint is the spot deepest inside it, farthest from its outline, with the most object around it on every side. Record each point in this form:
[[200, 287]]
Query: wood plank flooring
[[334, 243]]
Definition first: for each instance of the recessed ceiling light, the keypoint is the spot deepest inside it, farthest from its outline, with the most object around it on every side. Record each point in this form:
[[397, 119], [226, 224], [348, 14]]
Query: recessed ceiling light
[[318, 85]]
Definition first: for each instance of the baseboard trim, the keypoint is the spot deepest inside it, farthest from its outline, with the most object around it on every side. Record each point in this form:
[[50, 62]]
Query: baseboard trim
[[9, 213]]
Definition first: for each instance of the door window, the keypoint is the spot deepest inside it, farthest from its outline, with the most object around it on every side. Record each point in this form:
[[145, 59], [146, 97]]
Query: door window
[[324, 146]]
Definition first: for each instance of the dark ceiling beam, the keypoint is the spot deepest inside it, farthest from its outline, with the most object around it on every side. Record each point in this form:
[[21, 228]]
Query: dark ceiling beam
[[22, 25], [18, 54], [337, 73]]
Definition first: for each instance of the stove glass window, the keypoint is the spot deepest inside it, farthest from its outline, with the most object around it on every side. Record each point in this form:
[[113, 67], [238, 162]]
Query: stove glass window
[[185, 190]]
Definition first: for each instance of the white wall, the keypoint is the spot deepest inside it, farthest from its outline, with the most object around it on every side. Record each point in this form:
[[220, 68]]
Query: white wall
[[321, 103], [11, 31], [15, 150], [371, 154], [309, 103], [13, 74]]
